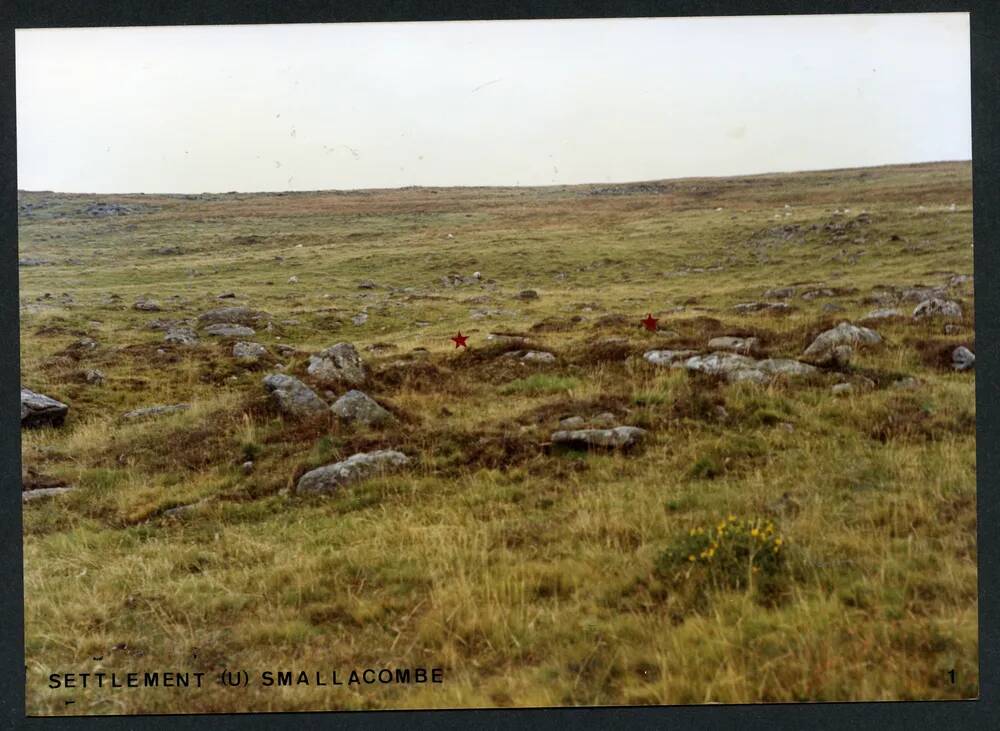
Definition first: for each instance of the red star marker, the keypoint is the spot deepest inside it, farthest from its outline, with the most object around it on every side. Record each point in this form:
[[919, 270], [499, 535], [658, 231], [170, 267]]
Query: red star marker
[[650, 322], [460, 339]]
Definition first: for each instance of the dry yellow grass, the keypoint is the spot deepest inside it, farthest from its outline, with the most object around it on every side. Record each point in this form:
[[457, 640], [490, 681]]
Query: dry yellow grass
[[530, 577]]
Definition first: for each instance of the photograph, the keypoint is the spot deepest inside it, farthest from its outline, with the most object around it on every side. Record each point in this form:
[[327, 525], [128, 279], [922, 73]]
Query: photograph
[[478, 364]]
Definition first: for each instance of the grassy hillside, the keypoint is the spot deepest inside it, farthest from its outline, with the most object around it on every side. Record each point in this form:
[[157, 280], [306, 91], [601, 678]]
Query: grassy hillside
[[532, 575]]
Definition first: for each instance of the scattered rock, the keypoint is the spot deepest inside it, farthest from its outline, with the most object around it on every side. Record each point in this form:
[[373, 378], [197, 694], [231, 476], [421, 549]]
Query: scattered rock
[[620, 437], [828, 347], [38, 410], [147, 305], [734, 344], [181, 336], [832, 307], [293, 280], [44, 492], [360, 319], [736, 367], [181, 510], [226, 296], [525, 294], [935, 307], [339, 363], [962, 359], [366, 284], [229, 330], [780, 293], [883, 314], [919, 294], [572, 422], [247, 467], [842, 389], [248, 352], [666, 357], [292, 396], [32, 262], [357, 407], [959, 279], [748, 307], [538, 356], [93, 376], [154, 411], [325, 480]]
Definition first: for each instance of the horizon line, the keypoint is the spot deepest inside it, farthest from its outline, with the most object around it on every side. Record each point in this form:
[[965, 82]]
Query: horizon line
[[508, 186]]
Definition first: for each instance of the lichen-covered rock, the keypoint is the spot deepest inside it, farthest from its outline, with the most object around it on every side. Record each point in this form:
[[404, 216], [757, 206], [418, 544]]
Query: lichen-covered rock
[[620, 437], [735, 368], [292, 396], [666, 357], [883, 314], [44, 492], [936, 307], [339, 363], [734, 344], [358, 407], [248, 352], [153, 411], [181, 336], [229, 330], [40, 410], [962, 359], [538, 356], [823, 349], [147, 305], [325, 480]]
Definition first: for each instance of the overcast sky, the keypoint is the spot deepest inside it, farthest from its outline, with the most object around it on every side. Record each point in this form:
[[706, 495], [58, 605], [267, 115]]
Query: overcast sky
[[306, 107]]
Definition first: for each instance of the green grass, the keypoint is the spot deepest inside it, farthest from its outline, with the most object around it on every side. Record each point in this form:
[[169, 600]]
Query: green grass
[[533, 578]]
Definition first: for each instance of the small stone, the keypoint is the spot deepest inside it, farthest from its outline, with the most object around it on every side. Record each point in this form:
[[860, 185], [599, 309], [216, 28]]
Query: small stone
[[145, 305], [360, 319], [962, 359], [736, 345], [181, 336], [229, 330], [248, 352], [936, 307], [842, 389], [666, 357], [93, 376], [572, 422], [154, 411], [621, 437], [526, 294], [44, 492], [883, 314], [538, 356], [293, 280], [247, 467]]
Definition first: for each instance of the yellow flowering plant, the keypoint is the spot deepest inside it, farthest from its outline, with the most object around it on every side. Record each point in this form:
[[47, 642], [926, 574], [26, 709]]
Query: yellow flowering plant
[[734, 553]]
